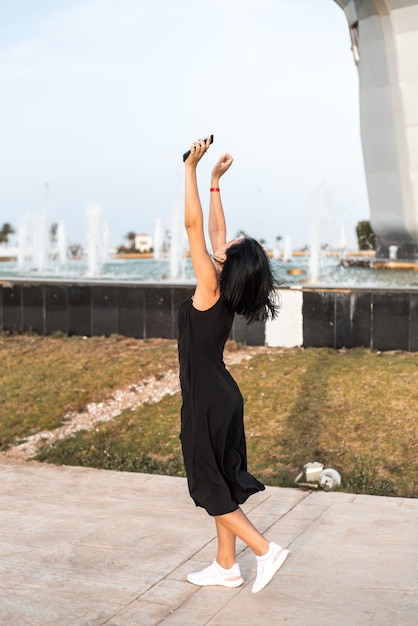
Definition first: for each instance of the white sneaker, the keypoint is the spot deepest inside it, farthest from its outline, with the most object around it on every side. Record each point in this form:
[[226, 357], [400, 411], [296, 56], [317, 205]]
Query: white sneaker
[[268, 565], [217, 575]]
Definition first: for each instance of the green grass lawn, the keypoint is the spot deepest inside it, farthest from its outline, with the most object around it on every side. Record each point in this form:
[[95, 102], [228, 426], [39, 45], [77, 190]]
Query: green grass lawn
[[43, 378], [354, 410]]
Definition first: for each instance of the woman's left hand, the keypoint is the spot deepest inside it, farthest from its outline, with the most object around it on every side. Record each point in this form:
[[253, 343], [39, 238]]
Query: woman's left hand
[[223, 164]]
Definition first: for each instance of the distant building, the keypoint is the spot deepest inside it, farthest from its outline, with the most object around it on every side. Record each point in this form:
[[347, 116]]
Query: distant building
[[143, 242]]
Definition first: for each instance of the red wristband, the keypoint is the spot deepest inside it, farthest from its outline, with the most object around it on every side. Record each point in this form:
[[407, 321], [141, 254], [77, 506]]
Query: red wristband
[[214, 189]]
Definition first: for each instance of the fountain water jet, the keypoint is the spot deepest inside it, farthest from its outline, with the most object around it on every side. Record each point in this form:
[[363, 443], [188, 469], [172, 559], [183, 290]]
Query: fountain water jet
[[321, 223], [158, 239], [97, 240], [177, 252], [40, 254], [287, 250], [33, 241], [23, 241], [62, 243]]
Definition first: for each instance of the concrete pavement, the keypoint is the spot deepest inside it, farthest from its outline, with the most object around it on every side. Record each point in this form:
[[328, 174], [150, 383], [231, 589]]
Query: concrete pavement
[[84, 547]]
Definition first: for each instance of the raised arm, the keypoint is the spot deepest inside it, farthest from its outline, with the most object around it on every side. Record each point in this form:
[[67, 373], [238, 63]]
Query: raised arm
[[207, 291], [217, 224]]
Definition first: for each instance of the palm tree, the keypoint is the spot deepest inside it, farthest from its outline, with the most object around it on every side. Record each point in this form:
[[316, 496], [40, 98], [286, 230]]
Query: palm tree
[[131, 238], [6, 230]]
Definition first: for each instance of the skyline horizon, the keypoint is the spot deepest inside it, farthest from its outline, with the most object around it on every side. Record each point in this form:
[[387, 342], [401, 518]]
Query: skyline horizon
[[270, 242], [103, 99]]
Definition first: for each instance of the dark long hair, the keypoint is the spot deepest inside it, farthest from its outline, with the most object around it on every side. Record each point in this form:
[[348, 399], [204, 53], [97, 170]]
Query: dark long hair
[[247, 282]]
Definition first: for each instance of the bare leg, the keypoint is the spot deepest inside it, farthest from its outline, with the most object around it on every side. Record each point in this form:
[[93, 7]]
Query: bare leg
[[224, 570], [226, 545], [238, 525], [269, 556]]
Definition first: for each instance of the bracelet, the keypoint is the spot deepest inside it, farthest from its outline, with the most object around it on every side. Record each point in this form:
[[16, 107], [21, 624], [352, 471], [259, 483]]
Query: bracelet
[[214, 189]]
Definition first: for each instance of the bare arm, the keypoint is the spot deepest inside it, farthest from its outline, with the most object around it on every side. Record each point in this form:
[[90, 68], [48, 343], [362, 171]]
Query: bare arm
[[207, 291], [217, 224]]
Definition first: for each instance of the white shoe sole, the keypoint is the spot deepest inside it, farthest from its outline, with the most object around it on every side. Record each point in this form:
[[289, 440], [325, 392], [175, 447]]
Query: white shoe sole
[[215, 582]]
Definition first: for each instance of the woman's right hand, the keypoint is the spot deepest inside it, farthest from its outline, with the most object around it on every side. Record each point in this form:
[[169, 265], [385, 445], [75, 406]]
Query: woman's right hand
[[197, 150]]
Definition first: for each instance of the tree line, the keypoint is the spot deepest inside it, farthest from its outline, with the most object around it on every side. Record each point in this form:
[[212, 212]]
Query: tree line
[[365, 235], [6, 230]]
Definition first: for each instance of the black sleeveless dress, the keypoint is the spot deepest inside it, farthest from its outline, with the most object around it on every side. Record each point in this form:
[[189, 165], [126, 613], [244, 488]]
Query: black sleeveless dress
[[212, 428]]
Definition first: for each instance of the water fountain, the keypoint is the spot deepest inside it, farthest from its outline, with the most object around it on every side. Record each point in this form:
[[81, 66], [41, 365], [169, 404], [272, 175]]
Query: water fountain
[[97, 240], [287, 249], [158, 239], [177, 251], [41, 242], [23, 243], [319, 214], [33, 242], [62, 243], [38, 257], [42, 252]]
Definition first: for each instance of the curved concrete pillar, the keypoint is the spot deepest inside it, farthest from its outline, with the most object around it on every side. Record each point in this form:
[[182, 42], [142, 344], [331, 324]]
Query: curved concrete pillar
[[384, 34]]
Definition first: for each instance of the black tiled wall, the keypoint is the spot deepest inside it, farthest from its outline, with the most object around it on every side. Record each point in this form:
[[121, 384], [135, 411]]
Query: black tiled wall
[[391, 321], [361, 315], [335, 318], [33, 309], [11, 309], [133, 311], [104, 311], [56, 309], [413, 323], [380, 320], [79, 310], [318, 313]]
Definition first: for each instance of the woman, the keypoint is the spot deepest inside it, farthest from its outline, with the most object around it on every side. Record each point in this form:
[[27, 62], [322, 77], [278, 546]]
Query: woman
[[236, 279]]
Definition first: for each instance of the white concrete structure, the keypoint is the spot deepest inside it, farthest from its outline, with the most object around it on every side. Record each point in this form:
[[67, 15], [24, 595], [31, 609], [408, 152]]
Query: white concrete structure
[[385, 46], [287, 330]]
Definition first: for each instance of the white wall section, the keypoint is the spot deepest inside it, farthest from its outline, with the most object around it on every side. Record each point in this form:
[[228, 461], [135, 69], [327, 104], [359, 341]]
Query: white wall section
[[287, 330], [385, 47]]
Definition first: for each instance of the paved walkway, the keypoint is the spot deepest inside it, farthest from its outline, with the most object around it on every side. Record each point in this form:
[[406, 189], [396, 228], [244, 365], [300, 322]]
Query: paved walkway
[[85, 547]]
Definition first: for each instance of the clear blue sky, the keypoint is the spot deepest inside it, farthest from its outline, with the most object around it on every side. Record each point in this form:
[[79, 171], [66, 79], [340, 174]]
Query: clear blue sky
[[100, 98]]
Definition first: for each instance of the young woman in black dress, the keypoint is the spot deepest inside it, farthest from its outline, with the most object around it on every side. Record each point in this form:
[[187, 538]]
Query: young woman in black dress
[[236, 279]]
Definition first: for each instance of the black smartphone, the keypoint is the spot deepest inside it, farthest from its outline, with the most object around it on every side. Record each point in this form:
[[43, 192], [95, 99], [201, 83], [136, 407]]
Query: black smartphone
[[186, 154]]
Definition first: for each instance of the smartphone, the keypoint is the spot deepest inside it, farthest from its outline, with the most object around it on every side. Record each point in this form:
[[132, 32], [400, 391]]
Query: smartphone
[[186, 154]]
